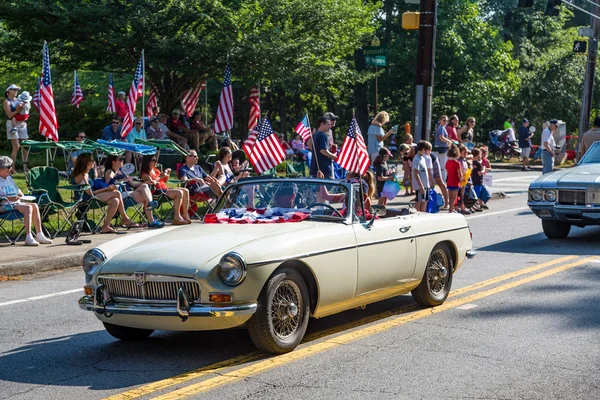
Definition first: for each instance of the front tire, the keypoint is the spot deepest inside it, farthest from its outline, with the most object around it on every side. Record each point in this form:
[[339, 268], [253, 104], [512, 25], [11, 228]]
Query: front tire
[[498, 155], [437, 279], [556, 229], [281, 318], [126, 333]]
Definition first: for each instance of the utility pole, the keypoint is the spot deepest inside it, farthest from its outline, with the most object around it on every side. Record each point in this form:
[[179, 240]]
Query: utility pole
[[590, 71], [425, 69]]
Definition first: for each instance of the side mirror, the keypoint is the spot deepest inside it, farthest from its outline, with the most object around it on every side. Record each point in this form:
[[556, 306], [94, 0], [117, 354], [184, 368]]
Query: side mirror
[[377, 210]]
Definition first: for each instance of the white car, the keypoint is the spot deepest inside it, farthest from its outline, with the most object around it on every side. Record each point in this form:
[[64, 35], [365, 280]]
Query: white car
[[276, 252]]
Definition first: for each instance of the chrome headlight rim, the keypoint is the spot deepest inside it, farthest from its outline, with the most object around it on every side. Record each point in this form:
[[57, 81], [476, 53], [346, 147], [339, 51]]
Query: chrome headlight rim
[[240, 264], [90, 265], [550, 195], [536, 194]]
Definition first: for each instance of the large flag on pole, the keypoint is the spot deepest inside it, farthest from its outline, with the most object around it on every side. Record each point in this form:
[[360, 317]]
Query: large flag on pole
[[353, 156], [303, 128], [191, 97], [263, 147], [48, 122], [77, 96], [224, 119], [36, 95], [111, 108], [152, 102], [134, 92], [254, 101]]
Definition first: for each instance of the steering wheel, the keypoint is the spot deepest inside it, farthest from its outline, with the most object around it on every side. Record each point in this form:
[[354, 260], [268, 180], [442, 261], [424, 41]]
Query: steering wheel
[[326, 206]]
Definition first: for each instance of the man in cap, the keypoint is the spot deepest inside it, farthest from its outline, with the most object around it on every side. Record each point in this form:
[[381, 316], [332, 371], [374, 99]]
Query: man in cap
[[548, 147], [332, 119], [591, 136], [120, 108], [525, 144]]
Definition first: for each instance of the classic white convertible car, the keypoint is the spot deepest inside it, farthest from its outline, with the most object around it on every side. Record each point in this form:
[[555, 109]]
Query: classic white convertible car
[[276, 252]]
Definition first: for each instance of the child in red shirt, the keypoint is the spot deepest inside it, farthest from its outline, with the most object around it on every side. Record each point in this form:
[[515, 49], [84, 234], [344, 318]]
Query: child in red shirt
[[454, 171]]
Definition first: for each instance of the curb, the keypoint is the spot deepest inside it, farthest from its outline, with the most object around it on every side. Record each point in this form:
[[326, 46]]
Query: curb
[[41, 265]]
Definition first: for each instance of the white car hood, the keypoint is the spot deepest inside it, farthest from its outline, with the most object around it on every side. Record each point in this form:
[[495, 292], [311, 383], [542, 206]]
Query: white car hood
[[181, 251]]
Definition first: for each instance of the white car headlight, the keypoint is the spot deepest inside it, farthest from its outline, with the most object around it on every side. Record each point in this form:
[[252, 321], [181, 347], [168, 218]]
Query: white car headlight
[[536, 194], [550, 195], [91, 260], [232, 269]]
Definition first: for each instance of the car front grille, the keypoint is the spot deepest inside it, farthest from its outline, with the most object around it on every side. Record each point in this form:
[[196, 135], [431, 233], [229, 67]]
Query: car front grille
[[571, 197], [154, 287]]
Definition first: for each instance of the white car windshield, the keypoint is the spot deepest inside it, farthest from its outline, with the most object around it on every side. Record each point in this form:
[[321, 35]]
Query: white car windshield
[[282, 201], [592, 155]]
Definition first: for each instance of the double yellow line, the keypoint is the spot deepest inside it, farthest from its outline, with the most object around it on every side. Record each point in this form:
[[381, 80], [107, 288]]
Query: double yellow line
[[261, 363]]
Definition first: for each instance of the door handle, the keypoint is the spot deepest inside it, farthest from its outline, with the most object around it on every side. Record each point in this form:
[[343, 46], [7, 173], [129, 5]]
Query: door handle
[[404, 229]]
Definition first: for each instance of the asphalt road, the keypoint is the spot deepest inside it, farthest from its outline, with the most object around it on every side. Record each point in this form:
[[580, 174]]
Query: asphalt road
[[522, 322]]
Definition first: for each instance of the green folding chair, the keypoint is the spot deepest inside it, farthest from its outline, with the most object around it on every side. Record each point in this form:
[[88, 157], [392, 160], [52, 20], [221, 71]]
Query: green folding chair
[[11, 223], [43, 182], [295, 169]]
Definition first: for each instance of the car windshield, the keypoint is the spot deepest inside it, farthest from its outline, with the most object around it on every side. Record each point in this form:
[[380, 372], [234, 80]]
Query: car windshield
[[281, 201], [592, 155]]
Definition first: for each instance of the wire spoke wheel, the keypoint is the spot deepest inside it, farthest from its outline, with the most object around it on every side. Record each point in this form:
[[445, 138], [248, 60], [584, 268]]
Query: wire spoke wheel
[[437, 271], [286, 309]]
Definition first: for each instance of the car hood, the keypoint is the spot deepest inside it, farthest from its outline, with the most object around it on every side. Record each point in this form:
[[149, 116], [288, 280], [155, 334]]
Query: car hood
[[183, 250], [582, 175]]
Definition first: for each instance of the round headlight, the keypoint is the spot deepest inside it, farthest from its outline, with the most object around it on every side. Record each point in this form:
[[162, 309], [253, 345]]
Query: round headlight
[[91, 260], [537, 195], [550, 195], [232, 269]]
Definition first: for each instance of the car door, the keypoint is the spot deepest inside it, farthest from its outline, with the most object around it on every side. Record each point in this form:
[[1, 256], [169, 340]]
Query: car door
[[386, 253]]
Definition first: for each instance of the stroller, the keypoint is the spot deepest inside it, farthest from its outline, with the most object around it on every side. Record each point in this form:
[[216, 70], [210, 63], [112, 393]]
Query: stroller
[[501, 146]]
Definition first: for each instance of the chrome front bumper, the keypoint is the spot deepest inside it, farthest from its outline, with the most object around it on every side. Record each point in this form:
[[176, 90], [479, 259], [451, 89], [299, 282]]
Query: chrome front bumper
[[101, 303], [471, 254]]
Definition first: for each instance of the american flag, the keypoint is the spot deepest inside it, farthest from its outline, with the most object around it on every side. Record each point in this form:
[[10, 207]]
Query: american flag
[[263, 147], [353, 156], [191, 97], [77, 97], [254, 101], [36, 95], [224, 120], [48, 122], [152, 102], [134, 92], [111, 96], [303, 128]]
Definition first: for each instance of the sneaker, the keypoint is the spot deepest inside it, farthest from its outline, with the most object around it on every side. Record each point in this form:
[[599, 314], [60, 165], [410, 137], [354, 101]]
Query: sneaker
[[524, 169], [465, 212], [30, 241], [485, 207], [156, 224], [152, 205], [41, 238]]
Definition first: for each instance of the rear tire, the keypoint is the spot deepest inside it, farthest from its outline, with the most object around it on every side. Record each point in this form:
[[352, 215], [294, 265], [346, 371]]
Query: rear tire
[[507, 156], [280, 321], [437, 279], [126, 333], [556, 229]]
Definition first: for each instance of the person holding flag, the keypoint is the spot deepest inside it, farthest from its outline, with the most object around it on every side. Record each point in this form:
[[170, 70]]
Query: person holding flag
[[323, 158]]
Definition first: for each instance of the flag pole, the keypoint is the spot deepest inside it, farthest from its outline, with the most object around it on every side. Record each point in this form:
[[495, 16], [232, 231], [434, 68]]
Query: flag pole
[[206, 103], [47, 149], [143, 85], [313, 143], [360, 179]]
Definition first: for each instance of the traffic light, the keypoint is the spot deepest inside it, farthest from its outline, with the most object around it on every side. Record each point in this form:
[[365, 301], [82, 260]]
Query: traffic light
[[551, 9], [411, 20], [525, 3]]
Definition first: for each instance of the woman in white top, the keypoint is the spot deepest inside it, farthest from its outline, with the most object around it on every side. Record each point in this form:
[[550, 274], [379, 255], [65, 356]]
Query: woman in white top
[[11, 192]]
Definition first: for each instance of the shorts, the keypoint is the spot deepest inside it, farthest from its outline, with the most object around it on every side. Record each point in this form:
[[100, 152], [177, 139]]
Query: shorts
[[453, 188], [21, 132], [525, 152], [423, 195]]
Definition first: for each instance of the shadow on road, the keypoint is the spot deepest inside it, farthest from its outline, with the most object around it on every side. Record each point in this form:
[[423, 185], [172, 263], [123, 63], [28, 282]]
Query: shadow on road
[[581, 241]]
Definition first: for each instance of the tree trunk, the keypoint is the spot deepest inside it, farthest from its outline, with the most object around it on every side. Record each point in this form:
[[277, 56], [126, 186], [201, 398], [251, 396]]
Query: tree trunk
[[282, 113]]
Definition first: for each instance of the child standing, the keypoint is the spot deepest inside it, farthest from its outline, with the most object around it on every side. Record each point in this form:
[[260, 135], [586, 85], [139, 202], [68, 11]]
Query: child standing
[[19, 120], [479, 171], [420, 175], [454, 171], [382, 172], [466, 174]]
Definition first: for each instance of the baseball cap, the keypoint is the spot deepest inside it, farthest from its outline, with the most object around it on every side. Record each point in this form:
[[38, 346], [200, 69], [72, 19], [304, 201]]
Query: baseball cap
[[330, 115], [176, 111], [12, 86], [153, 119], [525, 120], [120, 93], [384, 151], [553, 121]]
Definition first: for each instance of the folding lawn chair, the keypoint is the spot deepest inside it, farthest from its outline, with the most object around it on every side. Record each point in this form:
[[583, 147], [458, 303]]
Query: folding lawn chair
[[295, 169], [43, 182], [11, 217]]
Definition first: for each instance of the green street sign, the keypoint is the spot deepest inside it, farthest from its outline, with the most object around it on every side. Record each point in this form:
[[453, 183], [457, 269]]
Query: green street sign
[[379, 61], [375, 51]]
